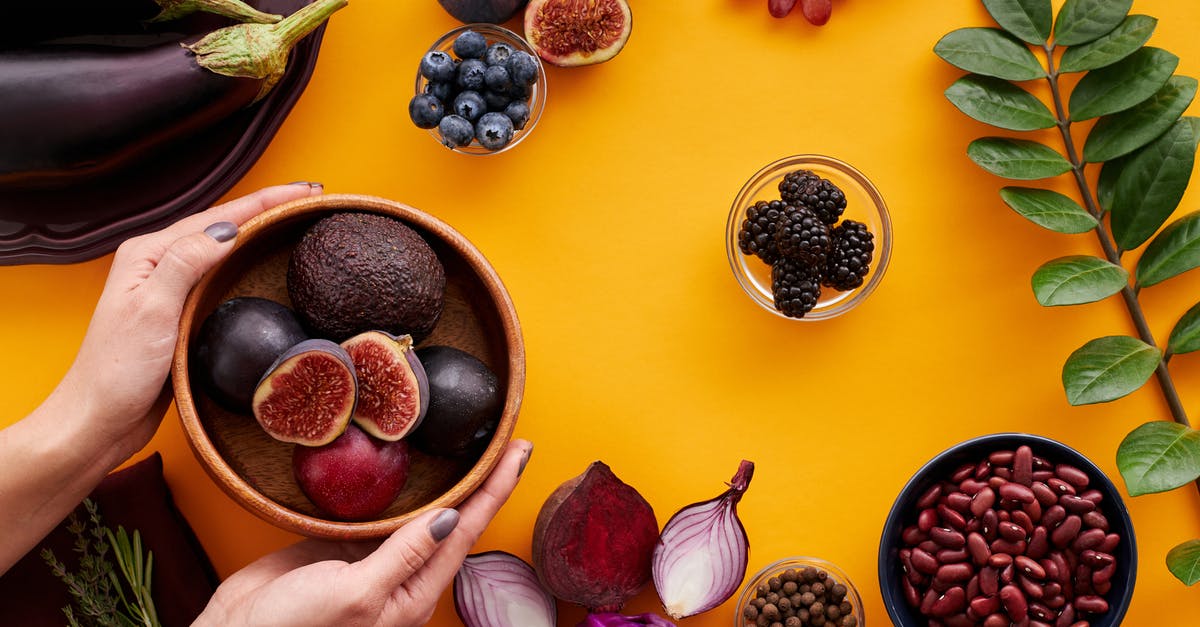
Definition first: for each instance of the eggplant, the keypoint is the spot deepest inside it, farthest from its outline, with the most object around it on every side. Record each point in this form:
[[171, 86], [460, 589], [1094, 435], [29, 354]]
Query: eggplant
[[71, 112], [27, 22]]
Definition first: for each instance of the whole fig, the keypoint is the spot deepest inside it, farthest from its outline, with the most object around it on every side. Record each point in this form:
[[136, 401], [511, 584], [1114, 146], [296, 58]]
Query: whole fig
[[236, 344], [594, 539], [355, 477], [489, 11]]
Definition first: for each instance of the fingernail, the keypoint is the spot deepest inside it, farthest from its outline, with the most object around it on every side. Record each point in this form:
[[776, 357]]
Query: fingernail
[[222, 231], [525, 460], [443, 525], [308, 183]]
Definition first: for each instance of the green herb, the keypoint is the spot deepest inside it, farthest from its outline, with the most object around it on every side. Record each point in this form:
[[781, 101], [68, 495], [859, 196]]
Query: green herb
[[101, 597], [1145, 150]]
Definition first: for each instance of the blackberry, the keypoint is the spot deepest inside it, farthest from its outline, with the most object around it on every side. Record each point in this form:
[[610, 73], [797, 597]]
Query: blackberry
[[801, 235], [850, 259], [802, 188], [757, 235], [796, 287]]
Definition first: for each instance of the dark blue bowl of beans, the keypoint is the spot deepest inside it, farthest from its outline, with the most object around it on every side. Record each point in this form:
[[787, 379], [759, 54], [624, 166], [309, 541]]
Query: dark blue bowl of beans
[[1008, 529]]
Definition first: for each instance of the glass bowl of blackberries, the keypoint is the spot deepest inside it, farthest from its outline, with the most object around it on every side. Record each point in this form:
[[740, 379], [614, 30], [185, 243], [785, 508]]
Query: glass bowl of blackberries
[[480, 90], [808, 237], [799, 592]]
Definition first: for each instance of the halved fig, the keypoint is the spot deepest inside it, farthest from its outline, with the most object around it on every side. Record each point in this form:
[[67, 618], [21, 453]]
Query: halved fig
[[393, 390], [307, 396], [569, 33]]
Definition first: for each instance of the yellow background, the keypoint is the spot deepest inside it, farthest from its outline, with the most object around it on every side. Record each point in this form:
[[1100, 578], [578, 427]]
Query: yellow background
[[606, 225]]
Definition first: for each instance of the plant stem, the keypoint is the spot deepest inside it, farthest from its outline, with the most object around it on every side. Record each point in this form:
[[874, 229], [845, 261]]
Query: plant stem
[[1129, 292]]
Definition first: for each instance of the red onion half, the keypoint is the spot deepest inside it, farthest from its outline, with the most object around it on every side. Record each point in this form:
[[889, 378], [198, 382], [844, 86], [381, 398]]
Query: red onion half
[[498, 589], [610, 619], [701, 556]]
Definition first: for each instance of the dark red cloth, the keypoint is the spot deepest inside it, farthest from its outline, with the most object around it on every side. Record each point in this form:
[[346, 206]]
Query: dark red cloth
[[135, 498]]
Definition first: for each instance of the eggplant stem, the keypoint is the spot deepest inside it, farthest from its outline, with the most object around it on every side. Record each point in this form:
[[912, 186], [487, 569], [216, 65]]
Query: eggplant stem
[[234, 9]]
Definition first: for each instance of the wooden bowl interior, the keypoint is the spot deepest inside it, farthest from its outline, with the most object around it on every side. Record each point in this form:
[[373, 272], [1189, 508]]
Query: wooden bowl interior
[[472, 321]]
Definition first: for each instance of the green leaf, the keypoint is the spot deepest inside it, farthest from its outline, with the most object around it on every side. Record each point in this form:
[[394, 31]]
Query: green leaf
[[989, 51], [999, 103], [1151, 184], [1081, 21], [1122, 133], [1132, 33], [1159, 456], [1048, 209], [1185, 337], [1017, 158], [1027, 19], [1108, 368], [1122, 84], [1106, 184], [1076, 280], [1184, 562], [1175, 251]]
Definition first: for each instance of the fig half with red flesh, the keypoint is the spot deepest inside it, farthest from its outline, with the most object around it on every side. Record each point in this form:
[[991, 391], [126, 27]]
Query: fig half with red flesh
[[570, 33], [393, 390], [307, 396]]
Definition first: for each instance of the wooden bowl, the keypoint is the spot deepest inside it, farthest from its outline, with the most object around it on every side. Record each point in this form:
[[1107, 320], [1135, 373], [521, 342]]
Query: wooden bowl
[[255, 469]]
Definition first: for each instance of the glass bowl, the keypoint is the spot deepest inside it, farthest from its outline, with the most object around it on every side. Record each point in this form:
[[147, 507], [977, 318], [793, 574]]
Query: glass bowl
[[777, 568], [863, 203], [537, 96]]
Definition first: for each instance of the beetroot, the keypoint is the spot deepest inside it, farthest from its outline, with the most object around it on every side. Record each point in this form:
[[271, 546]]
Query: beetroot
[[594, 539]]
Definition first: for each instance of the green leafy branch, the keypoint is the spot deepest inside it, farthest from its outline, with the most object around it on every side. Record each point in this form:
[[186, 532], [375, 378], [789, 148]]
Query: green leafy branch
[[1146, 150], [98, 594]]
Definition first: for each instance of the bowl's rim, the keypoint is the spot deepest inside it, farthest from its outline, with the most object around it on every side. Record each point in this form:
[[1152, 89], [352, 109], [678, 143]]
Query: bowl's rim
[[883, 240], [783, 563], [257, 503], [537, 101], [893, 522]]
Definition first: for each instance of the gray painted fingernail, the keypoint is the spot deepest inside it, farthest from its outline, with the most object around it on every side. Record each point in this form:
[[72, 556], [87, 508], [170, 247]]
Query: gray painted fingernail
[[443, 525], [525, 460], [222, 231]]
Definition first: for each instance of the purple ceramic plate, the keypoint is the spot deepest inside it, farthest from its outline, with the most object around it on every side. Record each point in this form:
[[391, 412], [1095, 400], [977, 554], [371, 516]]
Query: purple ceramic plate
[[88, 220]]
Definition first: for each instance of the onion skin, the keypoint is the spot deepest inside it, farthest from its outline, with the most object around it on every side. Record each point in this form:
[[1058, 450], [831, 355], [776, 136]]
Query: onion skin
[[609, 619], [499, 589], [702, 553]]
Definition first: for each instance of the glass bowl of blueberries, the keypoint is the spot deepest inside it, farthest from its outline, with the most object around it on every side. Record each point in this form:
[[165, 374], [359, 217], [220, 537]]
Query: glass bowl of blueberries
[[480, 90]]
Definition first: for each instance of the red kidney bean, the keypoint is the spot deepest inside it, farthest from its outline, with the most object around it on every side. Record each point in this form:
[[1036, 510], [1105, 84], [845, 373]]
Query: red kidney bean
[[1066, 616], [983, 469], [1041, 612], [1003, 473], [929, 546], [951, 518], [1023, 465], [1017, 492], [955, 573], [1001, 458], [1075, 504], [1032, 509], [1014, 602], [1060, 486], [1041, 463], [1053, 516], [973, 586], [984, 606], [1095, 560], [923, 562], [1039, 543], [997, 481], [927, 601], [1064, 534], [930, 497], [1012, 531], [989, 581], [1110, 542], [940, 586], [988, 523], [1032, 589], [1064, 569], [1092, 495], [971, 486], [1042, 475], [963, 472], [1089, 539], [996, 620], [1022, 518], [1051, 568], [1083, 578], [952, 539], [951, 556], [1095, 520], [927, 519], [1044, 494], [999, 560], [1000, 545], [977, 546], [1091, 603], [1105, 573], [1006, 574], [1053, 590], [1030, 567], [951, 602], [1004, 515], [1071, 475], [958, 501], [910, 593], [1102, 587], [913, 535], [982, 502]]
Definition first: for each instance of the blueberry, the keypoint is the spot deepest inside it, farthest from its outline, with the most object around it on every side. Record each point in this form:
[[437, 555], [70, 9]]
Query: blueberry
[[470, 74], [498, 54], [456, 131], [518, 112], [426, 111], [522, 68], [470, 105], [496, 78], [494, 130], [437, 66], [470, 45], [496, 101], [441, 91], [518, 92]]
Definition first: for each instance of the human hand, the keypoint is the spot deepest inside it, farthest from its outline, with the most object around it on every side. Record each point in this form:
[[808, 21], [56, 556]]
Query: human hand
[[118, 377], [394, 583]]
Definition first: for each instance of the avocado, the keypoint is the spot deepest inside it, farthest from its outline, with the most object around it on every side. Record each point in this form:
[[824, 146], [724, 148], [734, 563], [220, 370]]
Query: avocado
[[355, 272]]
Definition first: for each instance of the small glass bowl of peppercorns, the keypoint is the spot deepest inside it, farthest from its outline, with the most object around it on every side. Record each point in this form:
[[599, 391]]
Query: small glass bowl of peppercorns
[[799, 592]]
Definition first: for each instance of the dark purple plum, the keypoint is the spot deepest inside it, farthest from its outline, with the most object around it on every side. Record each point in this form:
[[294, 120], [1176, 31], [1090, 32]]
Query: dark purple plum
[[489, 11], [465, 403], [236, 344]]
